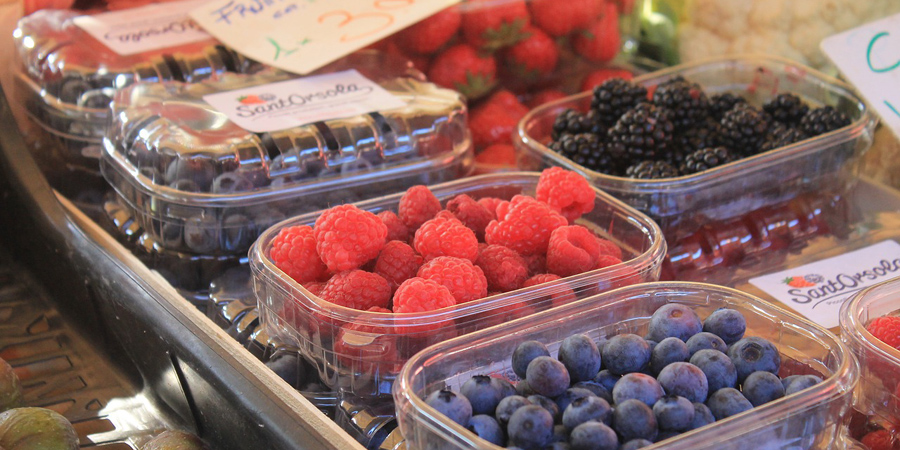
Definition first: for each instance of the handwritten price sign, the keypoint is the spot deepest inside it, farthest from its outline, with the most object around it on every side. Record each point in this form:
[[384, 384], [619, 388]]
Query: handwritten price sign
[[869, 57], [302, 35]]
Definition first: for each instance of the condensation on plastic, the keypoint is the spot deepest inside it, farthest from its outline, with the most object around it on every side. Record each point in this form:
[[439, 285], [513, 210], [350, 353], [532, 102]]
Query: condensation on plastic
[[826, 163], [811, 419], [198, 183], [878, 393], [362, 352]]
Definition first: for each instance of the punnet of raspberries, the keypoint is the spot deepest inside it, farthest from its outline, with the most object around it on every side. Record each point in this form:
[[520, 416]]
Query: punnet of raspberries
[[675, 129], [431, 254]]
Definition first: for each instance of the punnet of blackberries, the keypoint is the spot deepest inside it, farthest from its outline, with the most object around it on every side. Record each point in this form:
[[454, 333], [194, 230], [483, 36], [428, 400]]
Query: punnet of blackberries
[[624, 391], [677, 129]]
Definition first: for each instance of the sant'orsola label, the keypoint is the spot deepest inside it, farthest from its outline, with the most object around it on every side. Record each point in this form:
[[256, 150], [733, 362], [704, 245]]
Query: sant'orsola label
[[147, 28], [818, 290], [293, 103]]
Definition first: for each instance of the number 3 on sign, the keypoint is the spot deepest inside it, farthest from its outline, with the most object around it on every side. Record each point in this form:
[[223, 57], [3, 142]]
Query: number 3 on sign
[[369, 22]]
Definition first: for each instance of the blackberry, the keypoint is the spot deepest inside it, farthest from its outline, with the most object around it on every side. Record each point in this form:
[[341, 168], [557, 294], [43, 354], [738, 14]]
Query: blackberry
[[706, 159], [823, 120], [587, 150], [786, 108], [744, 129], [642, 133], [720, 104], [686, 100], [614, 98], [780, 136], [573, 122], [706, 133], [651, 170]]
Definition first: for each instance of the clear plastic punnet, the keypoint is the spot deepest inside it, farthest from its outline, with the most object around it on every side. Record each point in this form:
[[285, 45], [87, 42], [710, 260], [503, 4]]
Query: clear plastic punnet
[[878, 393], [361, 352], [826, 163], [198, 183], [810, 419]]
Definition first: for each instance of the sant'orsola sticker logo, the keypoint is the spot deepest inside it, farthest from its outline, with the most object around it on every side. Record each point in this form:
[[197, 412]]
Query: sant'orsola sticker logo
[[254, 99], [803, 281]]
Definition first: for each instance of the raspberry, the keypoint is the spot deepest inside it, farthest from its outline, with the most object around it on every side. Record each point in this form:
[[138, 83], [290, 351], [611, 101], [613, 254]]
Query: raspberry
[[606, 261], [572, 250], [504, 269], [536, 264], [501, 210], [445, 237], [357, 289], [397, 263], [563, 295], [526, 226], [315, 287], [348, 237], [609, 248], [878, 440], [490, 203], [471, 214], [421, 295], [887, 329], [444, 214], [566, 191], [464, 280], [294, 252], [417, 206], [397, 230]]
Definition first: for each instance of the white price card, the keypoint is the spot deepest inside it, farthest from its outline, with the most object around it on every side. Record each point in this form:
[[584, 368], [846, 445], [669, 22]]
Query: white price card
[[151, 27], [869, 57], [818, 290], [303, 35]]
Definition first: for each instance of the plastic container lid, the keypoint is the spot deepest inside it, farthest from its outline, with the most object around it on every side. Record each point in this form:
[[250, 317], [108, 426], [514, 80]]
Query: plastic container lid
[[808, 419]]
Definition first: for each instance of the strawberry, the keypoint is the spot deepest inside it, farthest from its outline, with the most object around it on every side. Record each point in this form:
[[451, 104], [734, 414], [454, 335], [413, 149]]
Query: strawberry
[[545, 96], [597, 77], [601, 41], [533, 57], [461, 67], [491, 123], [427, 36], [509, 101], [490, 26], [497, 155], [560, 18]]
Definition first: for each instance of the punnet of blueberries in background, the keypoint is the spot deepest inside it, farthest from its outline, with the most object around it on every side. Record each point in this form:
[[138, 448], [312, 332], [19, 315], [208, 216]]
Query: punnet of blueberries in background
[[627, 392]]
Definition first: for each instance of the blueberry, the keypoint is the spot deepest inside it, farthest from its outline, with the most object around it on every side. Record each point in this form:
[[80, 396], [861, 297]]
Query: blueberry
[[637, 386], [686, 380], [752, 354], [626, 353], [704, 341], [524, 353], [635, 444], [718, 368], [585, 409], [200, 171], [530, 427], [487, 428], [580, 356], [523, 389], [727, 402], [547, 376], [702, 416], [482, 394], [201, 234], [508, 406], [504, 387], [674, 320], [570, 396], [238, 232], [762, 387], [670, 350], [231, 183], [547, 404], [607, 379], [800, 383], [593, 436], [727, 324], [170, 234], [673, 413], [598, 389], [633, 419], [454, 406], [289, 367]]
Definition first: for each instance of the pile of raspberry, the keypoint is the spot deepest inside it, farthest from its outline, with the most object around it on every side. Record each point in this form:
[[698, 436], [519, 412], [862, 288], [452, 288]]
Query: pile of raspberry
[[426, 256], [886, 329]]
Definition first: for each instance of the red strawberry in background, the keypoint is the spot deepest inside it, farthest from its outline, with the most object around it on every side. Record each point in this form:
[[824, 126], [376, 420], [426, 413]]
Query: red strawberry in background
[[427, 36], [597, 77], [497, 155], [491, 25], [601, 41], [562, 17], [533, 57], [509, 101], [494, 121], [462, 68]]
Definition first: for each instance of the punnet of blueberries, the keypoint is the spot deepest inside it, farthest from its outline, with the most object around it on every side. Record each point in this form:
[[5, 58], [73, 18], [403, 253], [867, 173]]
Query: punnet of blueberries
[[624, 391]]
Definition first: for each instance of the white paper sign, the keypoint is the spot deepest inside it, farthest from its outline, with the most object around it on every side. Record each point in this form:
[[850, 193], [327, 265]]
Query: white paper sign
[[287, 104], [817, 290], [869, 57], [151, 27], [303, 35]]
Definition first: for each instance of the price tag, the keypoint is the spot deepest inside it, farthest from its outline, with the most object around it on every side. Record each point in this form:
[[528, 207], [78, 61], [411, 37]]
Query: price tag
[[869, 57], [303, 35]]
